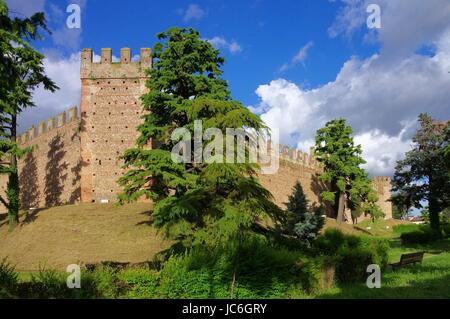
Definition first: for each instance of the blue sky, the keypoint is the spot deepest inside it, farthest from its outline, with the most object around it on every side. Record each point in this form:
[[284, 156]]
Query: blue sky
[[269, 34], [296, 63]]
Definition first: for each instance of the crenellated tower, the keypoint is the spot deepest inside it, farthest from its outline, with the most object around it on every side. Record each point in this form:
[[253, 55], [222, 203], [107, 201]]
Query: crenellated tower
[[110, 113]]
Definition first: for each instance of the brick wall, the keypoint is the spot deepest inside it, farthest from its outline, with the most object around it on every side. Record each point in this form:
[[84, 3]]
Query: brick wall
[[50, 174]]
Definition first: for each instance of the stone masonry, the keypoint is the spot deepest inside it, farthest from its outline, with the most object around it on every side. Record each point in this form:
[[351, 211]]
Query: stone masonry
[[76, 159]]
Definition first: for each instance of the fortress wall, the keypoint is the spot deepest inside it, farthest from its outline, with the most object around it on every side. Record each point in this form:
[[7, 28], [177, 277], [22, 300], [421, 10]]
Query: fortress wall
[[294, 165], [78, 159], [50, 174], [111, 110]]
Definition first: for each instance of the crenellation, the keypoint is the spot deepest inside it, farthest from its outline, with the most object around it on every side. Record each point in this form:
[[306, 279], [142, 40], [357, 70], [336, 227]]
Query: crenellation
[[106, 69], [42, 128], [106, 56], [61, 119], [50, 124], [73, 114], [125, 55]]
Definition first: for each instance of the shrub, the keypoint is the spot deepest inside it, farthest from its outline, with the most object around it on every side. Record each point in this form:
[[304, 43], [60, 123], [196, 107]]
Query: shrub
[[405, 228], [106, 282], [423, 235], [45, 284], [352, 254], [141, 283], [8, 280]]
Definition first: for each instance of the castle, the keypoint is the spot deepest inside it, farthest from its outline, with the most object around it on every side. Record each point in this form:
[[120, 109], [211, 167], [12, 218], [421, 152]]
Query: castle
[[76, 156]]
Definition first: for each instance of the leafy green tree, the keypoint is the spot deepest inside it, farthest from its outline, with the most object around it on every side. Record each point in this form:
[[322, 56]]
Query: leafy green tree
[[195, 203], [21, 71], [303, 221], [423, 176], [401, 203], [348, 183]]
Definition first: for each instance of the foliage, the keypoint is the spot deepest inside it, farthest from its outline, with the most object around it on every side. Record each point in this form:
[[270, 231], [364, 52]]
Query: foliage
[[349, 183], [424, 234], [22, 70], [8, 279], [352, 254], [405, 228], [195, 203], [303, 222], [140, 283], [423, 174]]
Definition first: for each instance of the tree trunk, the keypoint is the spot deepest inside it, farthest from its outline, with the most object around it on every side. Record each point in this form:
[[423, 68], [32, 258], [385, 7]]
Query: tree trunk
[[341, 207], [13, 182], [433, 210]]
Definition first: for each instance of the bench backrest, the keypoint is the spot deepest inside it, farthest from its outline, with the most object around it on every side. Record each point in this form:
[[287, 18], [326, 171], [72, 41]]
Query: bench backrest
[[413, 257]]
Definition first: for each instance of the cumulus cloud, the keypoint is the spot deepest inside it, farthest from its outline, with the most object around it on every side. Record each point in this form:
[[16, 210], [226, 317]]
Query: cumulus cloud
[[221, 43], [193, 12], [379, 98], [300, 57], [65, 72]]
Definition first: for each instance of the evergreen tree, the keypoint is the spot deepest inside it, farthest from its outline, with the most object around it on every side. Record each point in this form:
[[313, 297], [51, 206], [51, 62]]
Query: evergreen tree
[[21, 71], [303, 222], [422, 176], [349, 183], [195, 203]]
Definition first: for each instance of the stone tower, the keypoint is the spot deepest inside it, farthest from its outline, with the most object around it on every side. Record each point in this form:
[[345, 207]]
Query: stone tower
[[382, 186], [110, 111]]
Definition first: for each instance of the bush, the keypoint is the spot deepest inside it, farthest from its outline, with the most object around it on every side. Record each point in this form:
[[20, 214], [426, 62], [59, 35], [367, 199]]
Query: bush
[[405, 228], [423, 235], [8, 280], [141, 283], [352, 254]]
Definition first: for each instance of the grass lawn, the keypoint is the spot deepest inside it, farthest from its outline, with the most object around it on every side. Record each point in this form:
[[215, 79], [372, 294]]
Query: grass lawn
[[60, 236], [431, 279]]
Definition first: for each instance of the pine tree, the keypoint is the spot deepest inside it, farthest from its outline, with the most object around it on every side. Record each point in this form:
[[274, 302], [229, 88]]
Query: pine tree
[[195, 203], [21, 69], [303, 222], [349, 183]]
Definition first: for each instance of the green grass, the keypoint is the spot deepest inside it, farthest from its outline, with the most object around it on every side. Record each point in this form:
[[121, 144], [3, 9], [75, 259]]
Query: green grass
[[429, 280]]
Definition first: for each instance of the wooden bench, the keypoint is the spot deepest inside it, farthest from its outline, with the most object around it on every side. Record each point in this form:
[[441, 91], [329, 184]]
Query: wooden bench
[[407, 259]]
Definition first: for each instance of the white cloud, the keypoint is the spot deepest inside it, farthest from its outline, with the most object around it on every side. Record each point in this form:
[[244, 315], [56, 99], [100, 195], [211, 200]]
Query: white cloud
[[193, 12], [405, 24], [221, 43], [378, 99], [65, 72], [380, 96], [300, 57]]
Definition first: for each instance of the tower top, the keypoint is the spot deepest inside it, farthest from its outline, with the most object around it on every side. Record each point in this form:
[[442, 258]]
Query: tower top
[[107, 68]]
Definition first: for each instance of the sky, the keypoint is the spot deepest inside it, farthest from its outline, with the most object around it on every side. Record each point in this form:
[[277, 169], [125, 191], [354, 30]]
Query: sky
[[297, 64]]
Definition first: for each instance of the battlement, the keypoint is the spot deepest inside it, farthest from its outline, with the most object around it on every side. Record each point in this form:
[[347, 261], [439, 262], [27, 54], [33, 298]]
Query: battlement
[[294, 155], [106, 68], [52, 123]]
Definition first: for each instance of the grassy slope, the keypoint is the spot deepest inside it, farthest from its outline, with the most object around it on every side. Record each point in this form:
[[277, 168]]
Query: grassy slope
[[57, 237]]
